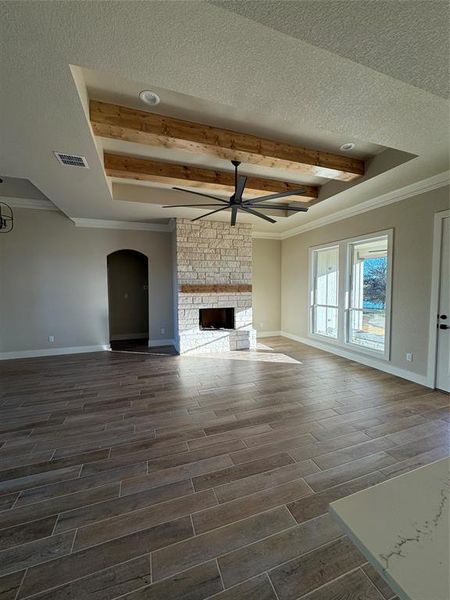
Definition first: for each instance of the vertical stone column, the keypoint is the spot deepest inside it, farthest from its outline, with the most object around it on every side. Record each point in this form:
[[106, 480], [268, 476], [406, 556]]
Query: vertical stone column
[[213, 253]]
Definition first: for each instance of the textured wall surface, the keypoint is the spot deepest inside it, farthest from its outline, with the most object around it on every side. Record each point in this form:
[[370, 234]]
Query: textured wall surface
[[212, 252]]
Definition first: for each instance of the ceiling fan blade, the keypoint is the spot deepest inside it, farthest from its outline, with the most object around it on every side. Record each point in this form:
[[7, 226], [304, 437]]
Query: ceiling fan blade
[[257, 214], [241, 181], [275, 196], [281, 207], [200, 194], [234, 210], [188, 205], [210, 213]]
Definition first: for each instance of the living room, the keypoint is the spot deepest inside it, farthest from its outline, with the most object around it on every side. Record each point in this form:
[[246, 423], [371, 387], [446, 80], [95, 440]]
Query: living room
[[224, 345]]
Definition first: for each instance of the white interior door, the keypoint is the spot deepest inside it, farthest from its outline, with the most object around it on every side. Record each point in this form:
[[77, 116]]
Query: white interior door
[[443, 337]]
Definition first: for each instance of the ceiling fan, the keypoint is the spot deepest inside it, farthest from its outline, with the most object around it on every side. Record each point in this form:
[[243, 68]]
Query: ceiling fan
[[236, 202]]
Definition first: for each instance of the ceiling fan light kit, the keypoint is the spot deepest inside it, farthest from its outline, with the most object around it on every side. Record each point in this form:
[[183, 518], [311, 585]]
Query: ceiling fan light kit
[[236, 202]]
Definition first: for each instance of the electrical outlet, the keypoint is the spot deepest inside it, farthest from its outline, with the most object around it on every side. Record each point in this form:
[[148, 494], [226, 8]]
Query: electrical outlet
[[409, 356], [51, 339], [261, 324], [163, 330]]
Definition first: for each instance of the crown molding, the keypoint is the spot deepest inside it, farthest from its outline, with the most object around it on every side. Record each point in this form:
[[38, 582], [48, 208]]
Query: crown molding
[[403, 193], [29, 203], [408, 191], [130, 225], [265, 235]]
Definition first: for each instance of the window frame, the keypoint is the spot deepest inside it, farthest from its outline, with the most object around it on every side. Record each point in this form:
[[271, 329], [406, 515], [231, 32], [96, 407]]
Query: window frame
[[345, 256], [313, 278]]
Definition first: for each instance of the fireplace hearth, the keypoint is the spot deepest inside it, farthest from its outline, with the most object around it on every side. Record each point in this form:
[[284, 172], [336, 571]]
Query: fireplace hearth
[[216, 318]]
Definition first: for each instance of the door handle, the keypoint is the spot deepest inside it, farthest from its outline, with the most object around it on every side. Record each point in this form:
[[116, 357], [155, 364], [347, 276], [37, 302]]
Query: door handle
[[443, 317], [444, 326]]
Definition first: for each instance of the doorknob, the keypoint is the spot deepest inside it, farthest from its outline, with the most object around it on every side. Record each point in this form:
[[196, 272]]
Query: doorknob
[[443, 317], [444, 326]]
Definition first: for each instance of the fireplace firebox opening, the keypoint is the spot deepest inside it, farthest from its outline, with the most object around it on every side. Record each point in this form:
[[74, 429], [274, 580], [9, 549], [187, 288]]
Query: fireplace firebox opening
[[216, 318]]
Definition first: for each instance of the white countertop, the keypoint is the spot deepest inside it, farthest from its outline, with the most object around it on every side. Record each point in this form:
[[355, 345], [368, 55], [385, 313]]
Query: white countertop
[[402, 527]]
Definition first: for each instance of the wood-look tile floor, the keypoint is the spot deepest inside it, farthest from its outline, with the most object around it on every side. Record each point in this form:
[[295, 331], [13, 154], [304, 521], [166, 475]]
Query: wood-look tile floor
[[163, 477]]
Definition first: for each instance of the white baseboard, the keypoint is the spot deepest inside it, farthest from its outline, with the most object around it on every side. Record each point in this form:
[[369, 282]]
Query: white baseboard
[[264, 334], [52, 352], [369, 362], [153, 343], [381, 366], [129, 336]]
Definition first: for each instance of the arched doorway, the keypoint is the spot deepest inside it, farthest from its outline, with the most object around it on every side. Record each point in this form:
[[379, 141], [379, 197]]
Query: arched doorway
[[128, 298]]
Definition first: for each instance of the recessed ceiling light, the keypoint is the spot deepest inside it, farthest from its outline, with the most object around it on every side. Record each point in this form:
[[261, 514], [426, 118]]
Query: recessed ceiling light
[[346, 147], [149, 97]]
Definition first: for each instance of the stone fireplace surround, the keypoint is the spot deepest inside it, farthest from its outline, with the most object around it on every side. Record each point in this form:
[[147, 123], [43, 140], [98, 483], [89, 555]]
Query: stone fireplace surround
[[213, 270]]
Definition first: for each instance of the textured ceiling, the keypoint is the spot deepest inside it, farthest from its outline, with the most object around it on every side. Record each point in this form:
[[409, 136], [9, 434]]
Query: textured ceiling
[[218, 57], [406, 39], [15, 187], [108, 87]]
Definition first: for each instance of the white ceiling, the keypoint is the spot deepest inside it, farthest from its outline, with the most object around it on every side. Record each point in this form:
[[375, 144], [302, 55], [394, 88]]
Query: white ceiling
[[113, 89], [110, 88], [14, 187], [406, 39], [214, 62]]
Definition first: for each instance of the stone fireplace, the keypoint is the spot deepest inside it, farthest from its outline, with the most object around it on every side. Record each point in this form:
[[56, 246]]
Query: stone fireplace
[[213, 287]]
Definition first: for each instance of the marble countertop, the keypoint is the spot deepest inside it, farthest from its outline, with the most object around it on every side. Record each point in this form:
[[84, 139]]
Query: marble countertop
[[402, 527]]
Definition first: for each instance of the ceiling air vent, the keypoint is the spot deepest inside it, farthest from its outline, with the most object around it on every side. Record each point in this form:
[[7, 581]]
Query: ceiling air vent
[[72, 160]]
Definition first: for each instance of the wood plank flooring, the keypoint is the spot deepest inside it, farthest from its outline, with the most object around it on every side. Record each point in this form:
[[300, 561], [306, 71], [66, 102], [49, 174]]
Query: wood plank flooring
[[152, 476]]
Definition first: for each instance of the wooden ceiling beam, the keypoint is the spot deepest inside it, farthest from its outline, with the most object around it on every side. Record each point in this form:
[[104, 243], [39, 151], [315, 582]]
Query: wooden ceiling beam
[[147, 169], [131, 125]]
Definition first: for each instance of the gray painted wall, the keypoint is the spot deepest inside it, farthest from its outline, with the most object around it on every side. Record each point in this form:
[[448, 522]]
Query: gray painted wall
[[53, 281], [412, 221], [266, 285], [53, 278]]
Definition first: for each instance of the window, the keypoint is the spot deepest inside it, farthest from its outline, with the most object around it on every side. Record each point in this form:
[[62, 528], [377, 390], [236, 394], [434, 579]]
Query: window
[[325, 301], [367, 304], [350, 293]]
